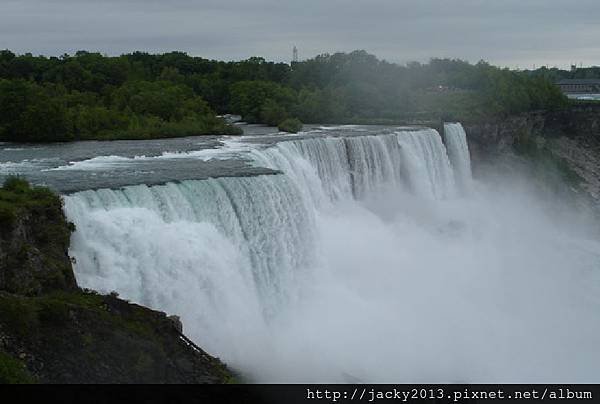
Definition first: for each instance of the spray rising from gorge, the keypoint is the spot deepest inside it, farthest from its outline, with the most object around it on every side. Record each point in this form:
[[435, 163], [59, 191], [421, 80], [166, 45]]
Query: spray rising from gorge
[[371, 257]]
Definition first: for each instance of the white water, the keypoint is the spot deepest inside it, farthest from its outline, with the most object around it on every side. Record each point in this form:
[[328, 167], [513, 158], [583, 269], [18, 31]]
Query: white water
[[361, 260], [458, 151], [99, 163]]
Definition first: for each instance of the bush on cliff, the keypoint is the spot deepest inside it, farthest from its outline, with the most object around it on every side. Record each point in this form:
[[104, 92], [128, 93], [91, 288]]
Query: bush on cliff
[[13, 371], [16, 194], [34, 238]]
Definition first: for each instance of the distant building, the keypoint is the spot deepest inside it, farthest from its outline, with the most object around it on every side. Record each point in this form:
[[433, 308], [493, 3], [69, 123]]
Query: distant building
[[582, 89]]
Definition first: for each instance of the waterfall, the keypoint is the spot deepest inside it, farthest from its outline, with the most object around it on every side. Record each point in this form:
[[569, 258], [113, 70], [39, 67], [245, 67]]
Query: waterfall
[[240, 245], [356, 166], [299, 277], [269, 219], [458, 151], [260, 225]]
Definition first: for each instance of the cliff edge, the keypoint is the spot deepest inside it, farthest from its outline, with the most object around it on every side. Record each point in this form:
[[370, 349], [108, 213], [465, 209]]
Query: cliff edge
[[571, 136]]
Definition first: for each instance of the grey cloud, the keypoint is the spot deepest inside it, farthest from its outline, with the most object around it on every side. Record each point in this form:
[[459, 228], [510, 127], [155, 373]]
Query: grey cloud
[[507, 32]]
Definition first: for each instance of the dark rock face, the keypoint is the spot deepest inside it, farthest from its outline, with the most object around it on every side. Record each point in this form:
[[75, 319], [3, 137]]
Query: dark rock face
[[571, 135], [176, 322], [493, 137], [33, 251], [580, 123], [53, 332], [83, 337]]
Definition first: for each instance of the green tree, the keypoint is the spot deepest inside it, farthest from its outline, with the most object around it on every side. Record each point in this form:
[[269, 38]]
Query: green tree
[[29, 114]]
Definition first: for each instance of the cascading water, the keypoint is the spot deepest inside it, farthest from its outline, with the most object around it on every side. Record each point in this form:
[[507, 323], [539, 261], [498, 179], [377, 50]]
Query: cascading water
[[458, 151], [357, 260], [356, 166]]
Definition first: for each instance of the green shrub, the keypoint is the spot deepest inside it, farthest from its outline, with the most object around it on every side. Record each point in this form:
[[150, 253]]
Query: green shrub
[[17, 193], [20, 316], [272, 113], [19, 199], [54, 312], [13, 371], [16, 184], [292, 125], [8, 215]]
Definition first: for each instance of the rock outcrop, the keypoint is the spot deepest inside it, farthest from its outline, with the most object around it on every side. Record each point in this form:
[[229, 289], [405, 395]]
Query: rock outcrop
[[572, 135], [34, 240], [580, 123]]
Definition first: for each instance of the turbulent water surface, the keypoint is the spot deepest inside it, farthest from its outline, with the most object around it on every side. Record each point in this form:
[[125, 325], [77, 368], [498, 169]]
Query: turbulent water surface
[[348, 253]]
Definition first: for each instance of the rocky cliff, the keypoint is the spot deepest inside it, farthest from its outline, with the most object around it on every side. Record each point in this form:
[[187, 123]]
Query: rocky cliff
[[571, 135], [34, 238], [53, 332]]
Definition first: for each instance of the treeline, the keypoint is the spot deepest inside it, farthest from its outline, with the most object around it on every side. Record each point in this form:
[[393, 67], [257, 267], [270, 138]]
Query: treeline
[[357, 87], [140, 95], [555, 74]]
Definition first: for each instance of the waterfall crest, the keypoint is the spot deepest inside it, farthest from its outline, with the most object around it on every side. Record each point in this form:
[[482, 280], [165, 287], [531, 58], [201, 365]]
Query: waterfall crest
[[355, 166]]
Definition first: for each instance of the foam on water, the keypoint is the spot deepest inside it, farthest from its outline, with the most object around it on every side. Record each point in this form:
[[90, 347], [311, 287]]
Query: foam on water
[[230, 148]]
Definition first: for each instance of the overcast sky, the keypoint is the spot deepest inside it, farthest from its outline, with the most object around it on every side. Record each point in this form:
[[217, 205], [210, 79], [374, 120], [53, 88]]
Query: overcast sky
[[516, 33]]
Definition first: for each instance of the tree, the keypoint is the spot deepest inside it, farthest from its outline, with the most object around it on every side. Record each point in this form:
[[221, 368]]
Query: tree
[[29, 114], [272, 113]]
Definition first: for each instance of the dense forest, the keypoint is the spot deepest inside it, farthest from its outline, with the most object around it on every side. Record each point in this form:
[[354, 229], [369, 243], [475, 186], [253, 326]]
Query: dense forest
[[141, 95]]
